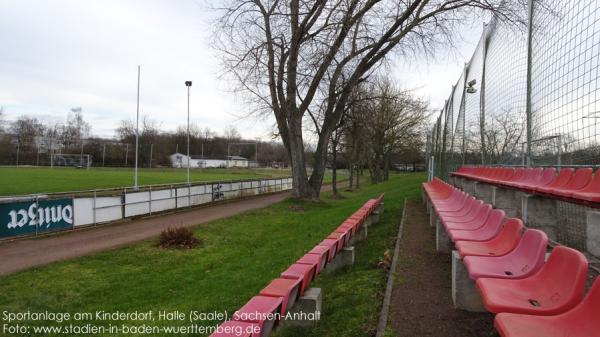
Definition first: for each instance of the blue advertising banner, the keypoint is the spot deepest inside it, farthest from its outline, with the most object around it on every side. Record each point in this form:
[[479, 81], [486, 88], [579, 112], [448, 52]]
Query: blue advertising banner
[[31, 217]]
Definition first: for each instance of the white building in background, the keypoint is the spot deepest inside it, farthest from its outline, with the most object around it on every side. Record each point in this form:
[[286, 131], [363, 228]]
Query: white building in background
[[179, 160]]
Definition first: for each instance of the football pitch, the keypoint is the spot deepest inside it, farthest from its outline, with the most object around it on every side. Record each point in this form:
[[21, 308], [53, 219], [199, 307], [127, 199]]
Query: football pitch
[[28, 180]]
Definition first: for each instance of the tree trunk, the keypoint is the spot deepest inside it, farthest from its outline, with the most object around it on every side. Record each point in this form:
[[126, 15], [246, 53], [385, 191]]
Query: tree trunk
[[300, 185], [386, 166], [334, 168], [351, 183], [358, 173]]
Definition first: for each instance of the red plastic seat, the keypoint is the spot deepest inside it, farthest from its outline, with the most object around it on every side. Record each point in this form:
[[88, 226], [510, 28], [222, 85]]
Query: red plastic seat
[[237, 329], [581, 178], [529, 175], [341, 238], [477, 214], [504, 243], [475, 218], [471, 225], [346, 231], [332, 245], [547, 177], [304, 272], [525, 260], [554, 289], [261, 310], [313, 260], [287, 289], [470, 205], [488, 231], [591, 193], [581, 321], [324, 252], [456, 204], [561, 181]]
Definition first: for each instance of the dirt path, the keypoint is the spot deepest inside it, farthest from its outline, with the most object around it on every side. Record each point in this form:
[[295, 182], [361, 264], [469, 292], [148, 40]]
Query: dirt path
[[22, 254], [421, 300]]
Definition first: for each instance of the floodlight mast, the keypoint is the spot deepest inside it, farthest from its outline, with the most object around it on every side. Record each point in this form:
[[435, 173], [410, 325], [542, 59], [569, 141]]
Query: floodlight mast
[[188, 84], [137, 133]]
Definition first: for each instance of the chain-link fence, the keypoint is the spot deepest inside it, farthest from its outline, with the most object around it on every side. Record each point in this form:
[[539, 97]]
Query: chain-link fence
[[528, 96]]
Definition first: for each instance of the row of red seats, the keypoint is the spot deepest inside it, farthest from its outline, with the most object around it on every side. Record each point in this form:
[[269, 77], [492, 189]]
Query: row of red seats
[[580, 185], [531, 297], [260, 313]]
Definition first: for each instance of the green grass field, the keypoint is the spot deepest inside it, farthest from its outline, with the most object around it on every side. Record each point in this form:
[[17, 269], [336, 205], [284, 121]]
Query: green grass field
[[238, 257], [28, 180]]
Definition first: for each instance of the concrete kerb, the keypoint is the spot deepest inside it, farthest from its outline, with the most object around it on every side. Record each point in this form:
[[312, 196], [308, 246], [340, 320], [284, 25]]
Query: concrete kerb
[[464, 290], [387, 297]]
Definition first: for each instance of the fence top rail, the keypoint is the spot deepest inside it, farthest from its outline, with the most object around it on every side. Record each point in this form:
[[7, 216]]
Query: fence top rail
[[126, 189]]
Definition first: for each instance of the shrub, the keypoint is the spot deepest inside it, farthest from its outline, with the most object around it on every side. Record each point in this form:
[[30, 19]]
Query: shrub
[[178, 237]]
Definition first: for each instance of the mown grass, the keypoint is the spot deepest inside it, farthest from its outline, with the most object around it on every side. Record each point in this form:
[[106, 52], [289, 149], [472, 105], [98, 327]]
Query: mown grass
[[239, 256], [27, 180]]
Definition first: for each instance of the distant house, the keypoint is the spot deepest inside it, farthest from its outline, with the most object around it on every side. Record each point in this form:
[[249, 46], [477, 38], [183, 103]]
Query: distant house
[[180, 160]]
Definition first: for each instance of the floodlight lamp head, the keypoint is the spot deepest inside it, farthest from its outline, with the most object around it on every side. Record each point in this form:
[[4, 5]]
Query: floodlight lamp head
[[472, 83], [188, 83], [471, 90]]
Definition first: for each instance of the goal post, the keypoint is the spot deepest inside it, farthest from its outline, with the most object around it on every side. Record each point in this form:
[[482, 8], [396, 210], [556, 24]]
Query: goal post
[[71, 160]]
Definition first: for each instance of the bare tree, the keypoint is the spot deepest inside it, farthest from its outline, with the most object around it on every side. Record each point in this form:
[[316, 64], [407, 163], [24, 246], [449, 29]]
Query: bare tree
[[503, 134], [394, 120], [335, 144], [300, 58], [232, 134], [75, 130]]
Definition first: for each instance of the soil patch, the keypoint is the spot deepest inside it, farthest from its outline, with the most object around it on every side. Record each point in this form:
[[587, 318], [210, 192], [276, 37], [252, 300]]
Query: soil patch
[[421, 299]]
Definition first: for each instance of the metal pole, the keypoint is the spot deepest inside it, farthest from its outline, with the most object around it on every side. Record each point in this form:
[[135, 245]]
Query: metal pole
[[559, 150], [228, 155], [202, 154], [151, 148], [529, 74], [188, 84], [126, 153], [487, 30], [17, 153], [103, 153], [256, 153], [189, 159], [137, 133]]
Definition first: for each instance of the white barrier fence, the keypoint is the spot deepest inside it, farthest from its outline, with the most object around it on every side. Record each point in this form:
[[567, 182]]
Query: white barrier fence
[[102, 206]]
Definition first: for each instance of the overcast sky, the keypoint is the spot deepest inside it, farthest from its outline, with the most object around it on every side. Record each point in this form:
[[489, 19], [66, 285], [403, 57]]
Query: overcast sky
[[59, 54]]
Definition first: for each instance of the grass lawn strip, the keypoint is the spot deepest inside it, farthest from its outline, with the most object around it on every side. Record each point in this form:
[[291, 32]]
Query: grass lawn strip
[[239, 256]]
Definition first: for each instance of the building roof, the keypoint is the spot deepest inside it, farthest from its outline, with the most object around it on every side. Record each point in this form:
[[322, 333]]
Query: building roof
[[221, 157]]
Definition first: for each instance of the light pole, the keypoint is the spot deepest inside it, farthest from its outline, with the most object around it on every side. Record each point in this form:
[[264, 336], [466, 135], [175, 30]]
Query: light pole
[[137, 133], [188, 84]]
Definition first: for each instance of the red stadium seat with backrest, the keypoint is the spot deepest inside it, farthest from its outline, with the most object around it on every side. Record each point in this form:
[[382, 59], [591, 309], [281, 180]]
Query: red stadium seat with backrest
[[556, 288], [581, 321], [504, 243], [561, 181], [525, 260]]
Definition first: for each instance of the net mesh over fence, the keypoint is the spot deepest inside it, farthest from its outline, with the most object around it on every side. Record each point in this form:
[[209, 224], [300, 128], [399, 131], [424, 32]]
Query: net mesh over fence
[[529, 96]]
